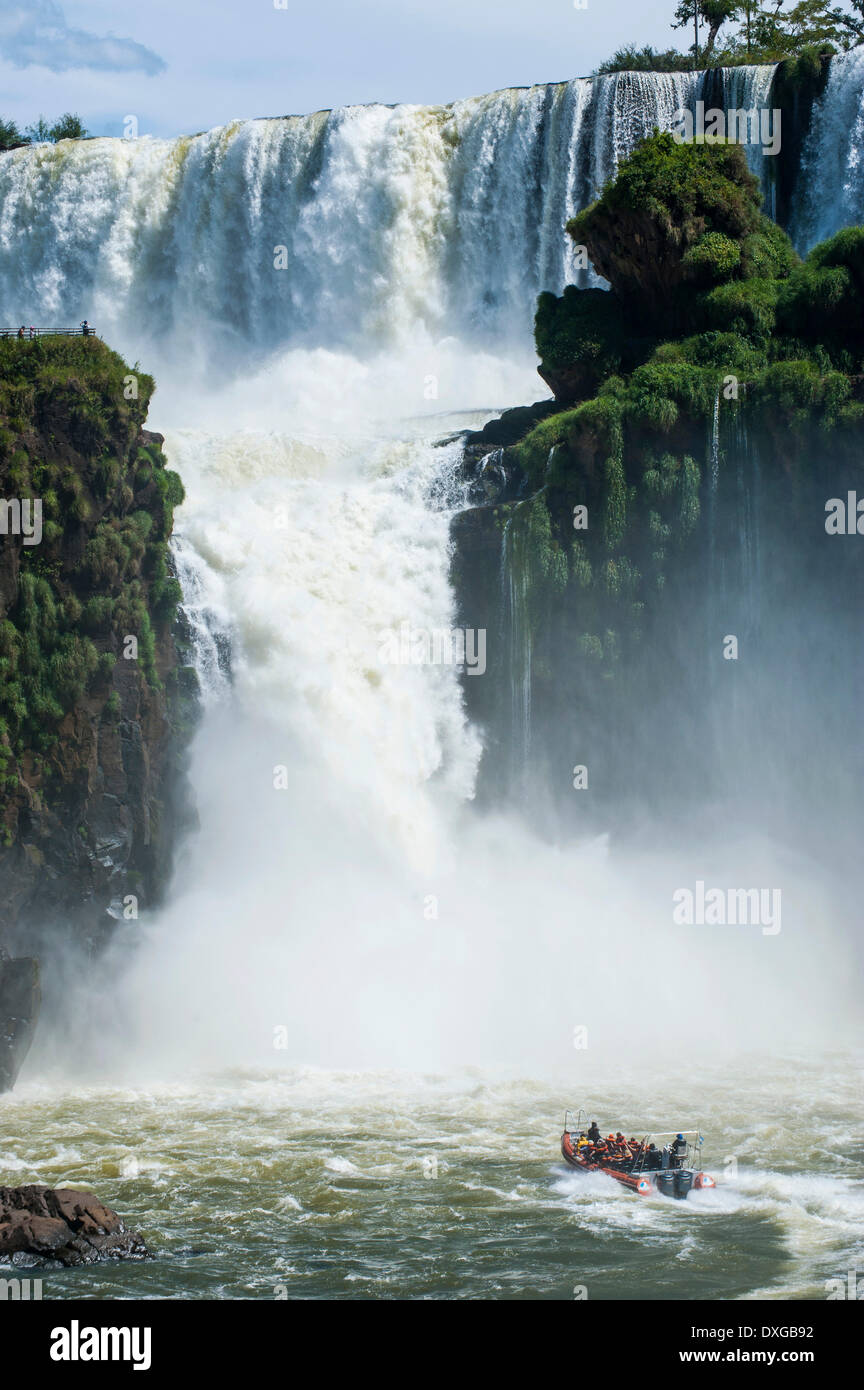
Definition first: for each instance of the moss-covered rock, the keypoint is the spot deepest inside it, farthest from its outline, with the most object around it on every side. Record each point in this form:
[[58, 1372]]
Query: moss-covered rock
[[87, 752], [678, 216], [581, 339], [716, 347]]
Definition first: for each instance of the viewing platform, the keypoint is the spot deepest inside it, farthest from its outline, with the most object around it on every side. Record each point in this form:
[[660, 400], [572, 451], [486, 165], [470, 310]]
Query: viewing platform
[[27, 334]]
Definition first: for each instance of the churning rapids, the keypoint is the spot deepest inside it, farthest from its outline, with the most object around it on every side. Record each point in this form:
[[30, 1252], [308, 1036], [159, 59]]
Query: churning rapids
[[314, 1076]]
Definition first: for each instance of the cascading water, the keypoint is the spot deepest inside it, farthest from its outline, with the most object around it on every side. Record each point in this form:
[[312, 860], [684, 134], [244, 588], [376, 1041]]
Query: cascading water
[[517, 640], [340, 907], [391, 220], [830, 189], [748, 89]]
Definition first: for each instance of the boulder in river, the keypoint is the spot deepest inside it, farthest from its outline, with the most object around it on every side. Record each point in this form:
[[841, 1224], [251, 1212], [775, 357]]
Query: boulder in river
[[45, 1226]]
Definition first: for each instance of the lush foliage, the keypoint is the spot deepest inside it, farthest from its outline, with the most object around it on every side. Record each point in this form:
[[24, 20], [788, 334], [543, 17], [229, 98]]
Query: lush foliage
[[67, 127], [710, 313], [732, 33], [71, 413], [680, 221]]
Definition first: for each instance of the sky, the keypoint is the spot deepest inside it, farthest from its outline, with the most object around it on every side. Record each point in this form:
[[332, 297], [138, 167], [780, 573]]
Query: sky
[[181, 66]]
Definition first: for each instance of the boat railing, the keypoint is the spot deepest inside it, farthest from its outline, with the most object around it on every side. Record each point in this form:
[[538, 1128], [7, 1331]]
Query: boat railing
[[576, 1121], [688, 1160]]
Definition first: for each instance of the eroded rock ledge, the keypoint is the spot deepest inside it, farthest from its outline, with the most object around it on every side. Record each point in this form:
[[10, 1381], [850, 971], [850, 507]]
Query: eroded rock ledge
[[47, 1226]]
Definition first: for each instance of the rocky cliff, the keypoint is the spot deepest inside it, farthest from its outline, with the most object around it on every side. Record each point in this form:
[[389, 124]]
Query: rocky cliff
[[673, 497], [94, 698]]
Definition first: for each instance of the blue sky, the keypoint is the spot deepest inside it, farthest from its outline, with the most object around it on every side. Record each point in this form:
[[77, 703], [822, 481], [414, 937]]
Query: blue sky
[[185, 65]]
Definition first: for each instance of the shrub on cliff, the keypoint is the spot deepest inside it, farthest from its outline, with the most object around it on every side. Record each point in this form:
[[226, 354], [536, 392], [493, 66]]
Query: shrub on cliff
[[824, 298], [681, 238], [581, 339], [678, 216]]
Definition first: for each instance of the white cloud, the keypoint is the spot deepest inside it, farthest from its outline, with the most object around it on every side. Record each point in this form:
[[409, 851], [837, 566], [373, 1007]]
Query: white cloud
[[37, 35]]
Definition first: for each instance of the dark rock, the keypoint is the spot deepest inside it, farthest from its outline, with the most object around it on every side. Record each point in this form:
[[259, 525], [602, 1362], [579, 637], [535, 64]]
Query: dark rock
[[43, 1225], [510, 427], [20, 997], [486, 466]]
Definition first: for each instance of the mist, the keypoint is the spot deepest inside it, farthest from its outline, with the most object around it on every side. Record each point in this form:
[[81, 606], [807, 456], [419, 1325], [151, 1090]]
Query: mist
[[348, 901]]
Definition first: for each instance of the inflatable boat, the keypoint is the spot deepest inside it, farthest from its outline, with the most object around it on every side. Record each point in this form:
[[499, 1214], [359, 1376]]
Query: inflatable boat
[[644, 1166]]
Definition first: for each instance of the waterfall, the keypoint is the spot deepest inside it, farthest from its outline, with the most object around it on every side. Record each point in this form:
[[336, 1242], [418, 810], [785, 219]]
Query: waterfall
[[830, 190], [517, 639], [714, 470], [358, 228], [320, 299], [748, 88], [204, 620]]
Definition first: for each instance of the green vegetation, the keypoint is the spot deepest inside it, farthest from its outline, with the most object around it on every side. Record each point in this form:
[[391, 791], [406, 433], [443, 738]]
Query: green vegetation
[[67, 127], [726, 34], [710, 312], [71, 415], [679, 220]]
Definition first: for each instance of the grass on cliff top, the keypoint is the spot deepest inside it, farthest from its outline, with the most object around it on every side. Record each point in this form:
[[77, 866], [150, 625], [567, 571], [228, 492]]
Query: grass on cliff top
[[43, 364]]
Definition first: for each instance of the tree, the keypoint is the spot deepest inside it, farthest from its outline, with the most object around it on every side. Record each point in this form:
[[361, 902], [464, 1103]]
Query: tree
[[39, 131], [749, 9], [807, 23], [69, 127], [769, 31], [10, 136], [849, 26], [712, 13]]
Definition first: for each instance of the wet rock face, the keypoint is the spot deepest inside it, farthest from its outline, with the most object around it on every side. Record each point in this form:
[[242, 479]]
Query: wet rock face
[[20, 997], [42, 1226]]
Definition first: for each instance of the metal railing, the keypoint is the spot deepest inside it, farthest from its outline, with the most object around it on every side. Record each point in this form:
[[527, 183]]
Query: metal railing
[[30, 333]]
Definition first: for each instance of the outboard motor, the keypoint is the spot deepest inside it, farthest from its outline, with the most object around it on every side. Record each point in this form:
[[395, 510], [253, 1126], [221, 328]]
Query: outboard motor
[[683, 1182]]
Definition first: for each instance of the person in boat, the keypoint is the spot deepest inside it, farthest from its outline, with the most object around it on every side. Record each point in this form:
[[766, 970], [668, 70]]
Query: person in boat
[[652, 1158], [678, 1151], [594, 1134], [616, 1153], [581, 1142]]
